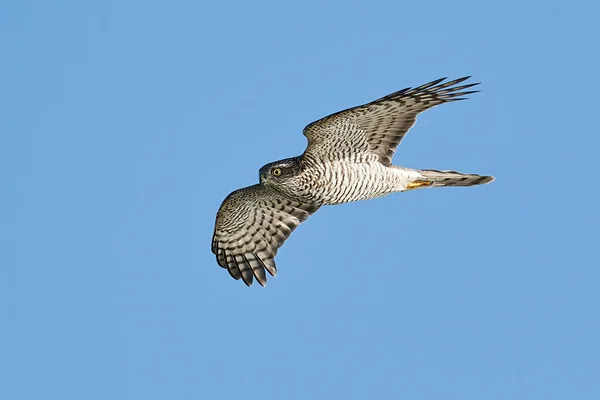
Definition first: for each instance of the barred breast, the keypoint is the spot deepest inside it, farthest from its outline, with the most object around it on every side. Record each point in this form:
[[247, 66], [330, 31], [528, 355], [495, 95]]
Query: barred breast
[[338, 182]]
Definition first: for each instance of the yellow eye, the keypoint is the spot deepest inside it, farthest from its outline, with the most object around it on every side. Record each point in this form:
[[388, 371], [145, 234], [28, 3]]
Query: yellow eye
[[276, 171]]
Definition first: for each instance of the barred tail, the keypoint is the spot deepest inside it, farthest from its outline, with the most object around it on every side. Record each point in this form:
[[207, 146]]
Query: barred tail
[[453, 178]]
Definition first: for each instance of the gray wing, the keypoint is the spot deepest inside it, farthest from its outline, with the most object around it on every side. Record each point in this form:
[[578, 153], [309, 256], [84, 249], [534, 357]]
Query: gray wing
[[252, 224], [374, 130]]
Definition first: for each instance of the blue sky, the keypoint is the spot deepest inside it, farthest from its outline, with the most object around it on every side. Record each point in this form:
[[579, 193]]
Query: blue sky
[[125, 124]]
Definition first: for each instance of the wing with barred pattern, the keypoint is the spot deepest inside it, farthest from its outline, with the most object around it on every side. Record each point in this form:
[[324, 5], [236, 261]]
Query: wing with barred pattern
[[375, 129], [251, 225]]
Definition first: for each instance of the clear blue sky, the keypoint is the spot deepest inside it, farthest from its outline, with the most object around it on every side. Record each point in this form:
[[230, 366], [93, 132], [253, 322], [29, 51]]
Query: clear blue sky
[[125, 124]]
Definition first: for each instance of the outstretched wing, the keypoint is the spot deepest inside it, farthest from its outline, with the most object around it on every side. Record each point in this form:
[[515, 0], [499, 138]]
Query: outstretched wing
[[252, 224], [375, 129]]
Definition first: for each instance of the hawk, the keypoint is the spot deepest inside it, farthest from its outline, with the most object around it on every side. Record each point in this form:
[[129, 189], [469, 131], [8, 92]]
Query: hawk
[[348, 158]]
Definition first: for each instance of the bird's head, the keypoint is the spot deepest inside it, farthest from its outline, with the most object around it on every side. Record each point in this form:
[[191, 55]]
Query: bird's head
[[279, 172]]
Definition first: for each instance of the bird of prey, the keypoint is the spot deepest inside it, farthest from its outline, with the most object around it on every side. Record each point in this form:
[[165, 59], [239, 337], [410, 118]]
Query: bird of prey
[[348, 158]]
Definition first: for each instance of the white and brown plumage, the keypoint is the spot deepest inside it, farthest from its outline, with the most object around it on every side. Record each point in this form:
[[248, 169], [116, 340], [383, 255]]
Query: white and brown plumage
[[348, 158]]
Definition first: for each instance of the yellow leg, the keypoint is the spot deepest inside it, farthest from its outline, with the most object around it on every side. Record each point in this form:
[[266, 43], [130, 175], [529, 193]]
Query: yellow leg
[[418, 184]]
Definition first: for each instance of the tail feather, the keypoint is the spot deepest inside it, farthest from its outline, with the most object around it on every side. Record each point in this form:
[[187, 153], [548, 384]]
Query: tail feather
[[453, 178]]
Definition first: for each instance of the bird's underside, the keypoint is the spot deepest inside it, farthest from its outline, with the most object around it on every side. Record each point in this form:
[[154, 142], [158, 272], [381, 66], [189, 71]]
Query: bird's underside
[[348, 158]]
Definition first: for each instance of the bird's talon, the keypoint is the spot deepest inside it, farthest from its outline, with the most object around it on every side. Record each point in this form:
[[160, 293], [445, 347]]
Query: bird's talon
[[418, 184]]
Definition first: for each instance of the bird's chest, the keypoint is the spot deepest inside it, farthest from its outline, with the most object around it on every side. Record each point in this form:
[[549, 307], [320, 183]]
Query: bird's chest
[[342, 182]]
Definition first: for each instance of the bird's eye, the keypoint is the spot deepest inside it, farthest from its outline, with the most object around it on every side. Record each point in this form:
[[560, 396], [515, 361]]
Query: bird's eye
[[276, 171]]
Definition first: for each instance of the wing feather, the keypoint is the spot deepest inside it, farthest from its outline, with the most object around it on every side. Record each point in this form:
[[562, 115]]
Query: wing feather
[[374, 130], [251, 225]]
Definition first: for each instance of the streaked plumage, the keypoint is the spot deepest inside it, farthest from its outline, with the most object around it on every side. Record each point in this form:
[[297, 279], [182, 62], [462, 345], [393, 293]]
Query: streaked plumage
[[348, 158]]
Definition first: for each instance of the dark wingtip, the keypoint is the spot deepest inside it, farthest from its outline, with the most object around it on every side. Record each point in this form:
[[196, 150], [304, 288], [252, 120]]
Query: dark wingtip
[[247, 282], [431, 84]]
